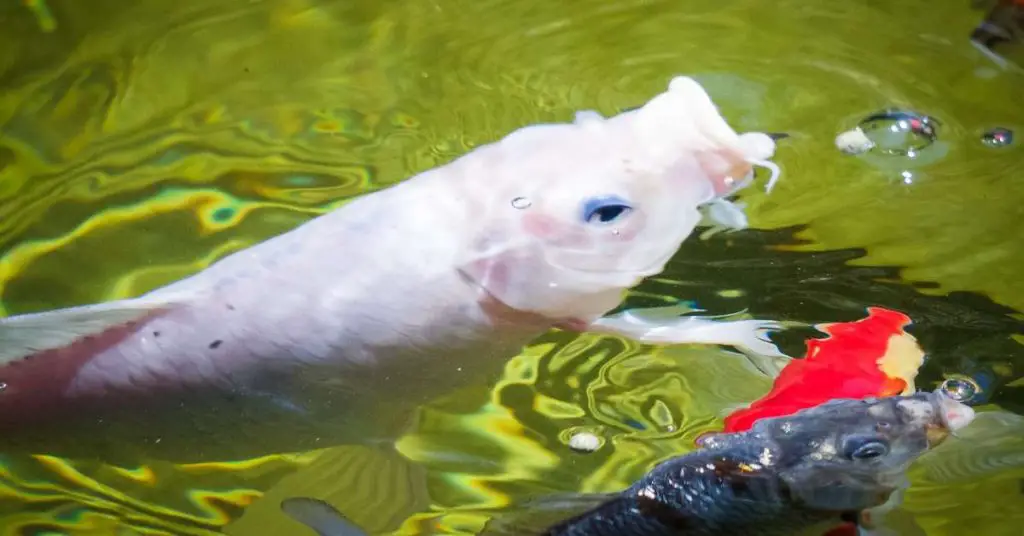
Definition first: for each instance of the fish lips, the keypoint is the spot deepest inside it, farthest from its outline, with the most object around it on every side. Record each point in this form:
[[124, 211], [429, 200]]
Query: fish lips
[[938, 413], [953, 417]]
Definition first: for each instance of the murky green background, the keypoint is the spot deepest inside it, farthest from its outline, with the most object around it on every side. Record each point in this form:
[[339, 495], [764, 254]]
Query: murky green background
[[140, 141]]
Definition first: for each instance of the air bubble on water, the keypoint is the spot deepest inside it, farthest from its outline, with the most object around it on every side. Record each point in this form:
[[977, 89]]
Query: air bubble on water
[[582, 439], [997, 137], [890, 132], [960, 388], [900, 132], [585, 442]]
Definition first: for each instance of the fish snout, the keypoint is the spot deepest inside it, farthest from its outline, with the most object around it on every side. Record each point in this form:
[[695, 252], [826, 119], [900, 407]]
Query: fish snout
[[940, 415], [955, 415]]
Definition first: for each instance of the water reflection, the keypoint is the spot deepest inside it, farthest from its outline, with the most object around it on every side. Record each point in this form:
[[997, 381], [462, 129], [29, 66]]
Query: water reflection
[[651, 404], [899, 132], [997, 137], [139, 142]]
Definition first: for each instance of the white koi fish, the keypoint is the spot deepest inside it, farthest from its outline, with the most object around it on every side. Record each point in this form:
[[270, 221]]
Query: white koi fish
[[407, 293]]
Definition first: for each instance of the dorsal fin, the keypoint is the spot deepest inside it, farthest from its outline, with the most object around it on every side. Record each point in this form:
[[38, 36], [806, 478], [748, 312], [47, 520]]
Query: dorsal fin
[[26, 335]]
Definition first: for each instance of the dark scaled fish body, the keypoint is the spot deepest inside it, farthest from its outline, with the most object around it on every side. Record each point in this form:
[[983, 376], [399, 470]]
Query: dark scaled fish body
[[800, 474], [705, 493]]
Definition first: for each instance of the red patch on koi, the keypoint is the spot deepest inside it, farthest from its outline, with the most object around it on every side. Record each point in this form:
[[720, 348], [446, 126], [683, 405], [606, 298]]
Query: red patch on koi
[[846, 364]]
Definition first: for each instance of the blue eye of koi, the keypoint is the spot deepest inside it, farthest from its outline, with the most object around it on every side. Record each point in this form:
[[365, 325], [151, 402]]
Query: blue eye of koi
[[865, 449], [605, 209]]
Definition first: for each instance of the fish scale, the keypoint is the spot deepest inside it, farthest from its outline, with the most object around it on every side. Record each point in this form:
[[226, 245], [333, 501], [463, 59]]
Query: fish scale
[[687, 495]]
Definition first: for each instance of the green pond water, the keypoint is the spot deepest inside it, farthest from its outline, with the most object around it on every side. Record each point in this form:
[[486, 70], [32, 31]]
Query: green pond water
[[140, 141]]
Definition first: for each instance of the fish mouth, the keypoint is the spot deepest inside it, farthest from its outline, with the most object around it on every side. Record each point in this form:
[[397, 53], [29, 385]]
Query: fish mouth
[[952, 417], [937, 413]]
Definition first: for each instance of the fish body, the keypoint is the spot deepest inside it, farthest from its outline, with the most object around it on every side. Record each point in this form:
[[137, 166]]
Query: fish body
[[364, 313], [785, 476], [871, 357], [702, 494]]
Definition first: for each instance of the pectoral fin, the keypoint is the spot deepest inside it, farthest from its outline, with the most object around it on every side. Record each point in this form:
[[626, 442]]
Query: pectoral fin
[[539, 515], [748, 335], [722, 215]]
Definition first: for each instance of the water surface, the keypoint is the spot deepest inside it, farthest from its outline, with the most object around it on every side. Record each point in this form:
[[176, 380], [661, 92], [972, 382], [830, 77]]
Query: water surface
[[140, 141]]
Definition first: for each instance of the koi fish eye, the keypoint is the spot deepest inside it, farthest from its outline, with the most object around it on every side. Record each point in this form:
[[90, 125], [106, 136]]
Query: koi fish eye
[[865, 448], [605, 209]]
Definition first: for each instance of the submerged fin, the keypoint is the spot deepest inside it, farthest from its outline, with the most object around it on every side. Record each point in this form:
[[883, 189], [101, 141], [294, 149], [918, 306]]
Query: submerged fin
[[376, 487], [537, 516], [666, 312], [26, 335], [722, 215], [320, 516], [747, 335]]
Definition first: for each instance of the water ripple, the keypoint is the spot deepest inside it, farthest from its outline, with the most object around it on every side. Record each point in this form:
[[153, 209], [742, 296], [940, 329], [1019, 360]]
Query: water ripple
[[209, 126]]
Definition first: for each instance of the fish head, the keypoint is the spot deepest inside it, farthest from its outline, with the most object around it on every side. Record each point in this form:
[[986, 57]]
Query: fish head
[[852, 454], [579, 212]]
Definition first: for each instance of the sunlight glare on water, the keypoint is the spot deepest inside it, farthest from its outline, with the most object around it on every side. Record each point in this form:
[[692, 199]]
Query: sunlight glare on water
[[141, 141]]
